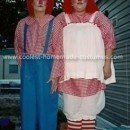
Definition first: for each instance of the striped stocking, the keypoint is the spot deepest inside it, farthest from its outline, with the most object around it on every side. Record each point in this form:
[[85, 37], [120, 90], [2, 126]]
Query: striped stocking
[[74, 125], [88, 124]]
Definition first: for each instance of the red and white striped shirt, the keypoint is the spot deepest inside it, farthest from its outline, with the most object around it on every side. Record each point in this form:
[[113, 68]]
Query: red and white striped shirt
[[79, 87], [36, 35]]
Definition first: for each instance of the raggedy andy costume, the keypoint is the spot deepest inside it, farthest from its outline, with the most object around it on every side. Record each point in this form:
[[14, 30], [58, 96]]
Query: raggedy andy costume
[[83, 36], [32, 45]]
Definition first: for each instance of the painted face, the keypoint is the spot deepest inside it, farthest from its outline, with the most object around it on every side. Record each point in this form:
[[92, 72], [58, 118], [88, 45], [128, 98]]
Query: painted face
[[79, 1], [40, 5], [79, 5]]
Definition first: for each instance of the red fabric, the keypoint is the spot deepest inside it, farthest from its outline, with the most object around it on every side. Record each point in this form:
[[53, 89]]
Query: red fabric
[[88, 124], [35, 36], [91, 6], [79, 87], [49, 7], [74, 125]]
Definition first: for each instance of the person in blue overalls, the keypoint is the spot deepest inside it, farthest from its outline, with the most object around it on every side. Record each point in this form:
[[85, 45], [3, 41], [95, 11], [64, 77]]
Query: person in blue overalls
[[33, 52]]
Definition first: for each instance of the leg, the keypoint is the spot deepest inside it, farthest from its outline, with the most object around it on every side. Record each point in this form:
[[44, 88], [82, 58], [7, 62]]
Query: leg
[[88, 124], [91, 106], [47, 108], [47, 103], [28, 100], [52, 111], [72, 110], [74, 125]]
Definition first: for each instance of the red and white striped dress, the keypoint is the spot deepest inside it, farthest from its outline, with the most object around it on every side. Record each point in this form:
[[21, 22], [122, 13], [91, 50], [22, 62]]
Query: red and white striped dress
[[79, 87]]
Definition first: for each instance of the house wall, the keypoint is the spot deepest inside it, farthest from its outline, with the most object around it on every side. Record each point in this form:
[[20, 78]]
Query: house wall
[[117, 108]]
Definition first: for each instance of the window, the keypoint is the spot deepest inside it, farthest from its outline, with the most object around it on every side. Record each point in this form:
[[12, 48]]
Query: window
[[13, 69]]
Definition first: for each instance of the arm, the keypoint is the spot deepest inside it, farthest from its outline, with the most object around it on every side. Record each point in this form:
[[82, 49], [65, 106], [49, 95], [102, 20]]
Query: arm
[[109, 41], [18, 43], [107, 65], [57, 42]]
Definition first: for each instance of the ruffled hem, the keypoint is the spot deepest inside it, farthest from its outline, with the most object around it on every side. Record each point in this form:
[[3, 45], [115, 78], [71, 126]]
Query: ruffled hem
[[81, 87]]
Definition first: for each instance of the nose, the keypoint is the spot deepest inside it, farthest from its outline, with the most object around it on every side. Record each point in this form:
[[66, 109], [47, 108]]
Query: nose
[[40, 1]]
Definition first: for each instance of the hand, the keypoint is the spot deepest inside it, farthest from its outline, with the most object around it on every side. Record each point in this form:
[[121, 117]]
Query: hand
[[107, 71], [54, 84]]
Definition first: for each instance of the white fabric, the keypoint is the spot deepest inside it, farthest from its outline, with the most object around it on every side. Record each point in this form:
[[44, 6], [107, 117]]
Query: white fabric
[[87, 108], [83, 46], [93, 17], [67, 19]]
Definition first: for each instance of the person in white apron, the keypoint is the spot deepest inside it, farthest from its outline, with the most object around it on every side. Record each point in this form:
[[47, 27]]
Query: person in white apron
[[84, 37]]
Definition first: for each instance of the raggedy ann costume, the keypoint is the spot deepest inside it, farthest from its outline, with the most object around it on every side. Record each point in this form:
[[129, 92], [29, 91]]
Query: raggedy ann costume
[[32, 45], [82, 80]]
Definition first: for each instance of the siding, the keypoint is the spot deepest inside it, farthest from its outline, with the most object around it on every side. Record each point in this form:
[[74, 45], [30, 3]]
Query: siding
[[117, 109]]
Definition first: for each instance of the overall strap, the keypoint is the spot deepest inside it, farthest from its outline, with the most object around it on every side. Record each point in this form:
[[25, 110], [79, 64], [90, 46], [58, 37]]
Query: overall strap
[[93, 17], [67, 19], [25, 37], [48, 35]]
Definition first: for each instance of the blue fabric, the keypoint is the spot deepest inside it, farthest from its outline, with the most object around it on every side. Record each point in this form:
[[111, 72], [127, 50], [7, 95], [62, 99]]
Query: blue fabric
[[48, 36], [38, 106]]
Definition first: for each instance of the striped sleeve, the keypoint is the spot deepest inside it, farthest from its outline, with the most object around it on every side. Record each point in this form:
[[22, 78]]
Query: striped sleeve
[[18, 42], [57, 39], [107, 30]]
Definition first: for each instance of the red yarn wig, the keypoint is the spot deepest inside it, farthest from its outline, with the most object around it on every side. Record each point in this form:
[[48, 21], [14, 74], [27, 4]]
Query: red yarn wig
[[49, 7], [91, 6]]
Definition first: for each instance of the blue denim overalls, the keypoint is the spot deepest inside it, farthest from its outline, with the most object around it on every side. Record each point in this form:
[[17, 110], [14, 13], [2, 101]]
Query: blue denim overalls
[[38, 106]]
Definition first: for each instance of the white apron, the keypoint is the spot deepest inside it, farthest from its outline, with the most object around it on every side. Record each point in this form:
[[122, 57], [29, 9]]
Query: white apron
[[84, 51]]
